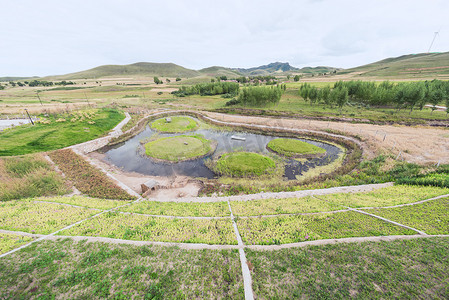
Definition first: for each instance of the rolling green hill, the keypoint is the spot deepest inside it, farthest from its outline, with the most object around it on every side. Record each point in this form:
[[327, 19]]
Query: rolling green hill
[[141, 68], [406, 66]]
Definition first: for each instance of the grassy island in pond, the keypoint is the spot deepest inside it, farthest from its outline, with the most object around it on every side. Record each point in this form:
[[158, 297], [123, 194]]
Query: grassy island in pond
[[179, 148], [294, 148], [175, 125], [244, 164]]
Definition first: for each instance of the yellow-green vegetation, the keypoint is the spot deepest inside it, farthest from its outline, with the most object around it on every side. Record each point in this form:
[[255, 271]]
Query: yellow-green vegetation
[[292, 229], [282, 206], [160, 229], [58, 131], [180, 209], [176, 125], [394, 195], [401, 269], [11, 241], [117, 271], [244, 164], [294, 148], [45, 218], [179, 148], [29, 176], [103, 204], [431, 217]]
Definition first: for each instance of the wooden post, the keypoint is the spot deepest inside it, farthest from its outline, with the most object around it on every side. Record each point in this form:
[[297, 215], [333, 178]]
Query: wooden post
[[397, 157], [29, 116], [37, 93], [385, 136]]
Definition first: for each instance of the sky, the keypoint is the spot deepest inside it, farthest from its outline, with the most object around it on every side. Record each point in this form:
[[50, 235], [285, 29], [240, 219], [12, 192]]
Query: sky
[[52, 37]]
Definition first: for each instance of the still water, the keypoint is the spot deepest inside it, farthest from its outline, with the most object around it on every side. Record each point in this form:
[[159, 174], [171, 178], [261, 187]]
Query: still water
[[128, 157]]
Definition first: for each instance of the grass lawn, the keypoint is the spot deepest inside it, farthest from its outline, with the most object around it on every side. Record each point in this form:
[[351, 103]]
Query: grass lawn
[[29, 176], [432, 217], [394, 195], [178, 148], [58, 131], [144, 228], [292, 229], [282, 206], [180, 209], [177, 124], [402, 269], [294, 148], [244, 164], [83, 270], [44, 218]]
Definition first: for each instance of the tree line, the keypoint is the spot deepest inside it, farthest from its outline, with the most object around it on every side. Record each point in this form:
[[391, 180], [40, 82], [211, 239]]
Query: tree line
[[209, 89], [40, 83], [402, 95], [258, 96]]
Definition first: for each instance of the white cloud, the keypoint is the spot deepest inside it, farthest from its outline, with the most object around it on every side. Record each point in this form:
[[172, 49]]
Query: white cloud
[[56, 37]]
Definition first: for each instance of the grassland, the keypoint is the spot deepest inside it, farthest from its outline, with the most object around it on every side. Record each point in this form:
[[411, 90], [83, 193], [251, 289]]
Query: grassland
[[406, 269], [58, 131], [179, 148], [12, 241], [395, 195], [44, 218], [282, 206], [431, 217], [87, 202], [176, 125], [143, 228], [86, 270], [180, 209], [294, 148], [29, 176], [293, 229]]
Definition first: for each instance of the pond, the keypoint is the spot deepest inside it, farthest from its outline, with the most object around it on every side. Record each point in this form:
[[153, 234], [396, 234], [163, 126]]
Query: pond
[[13, 122], [128, 155]]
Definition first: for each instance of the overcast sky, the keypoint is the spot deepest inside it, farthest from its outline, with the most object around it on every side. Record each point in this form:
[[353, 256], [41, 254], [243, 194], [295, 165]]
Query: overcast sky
[[49, 37]]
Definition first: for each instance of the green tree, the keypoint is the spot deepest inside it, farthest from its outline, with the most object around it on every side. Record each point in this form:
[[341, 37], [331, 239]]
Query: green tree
[[296, 78], [157, 80], [178, 79]]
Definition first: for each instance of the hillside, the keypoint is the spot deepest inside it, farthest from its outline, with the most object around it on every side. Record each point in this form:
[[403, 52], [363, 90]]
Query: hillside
[[406, 66], [141, 68], [219, 71]]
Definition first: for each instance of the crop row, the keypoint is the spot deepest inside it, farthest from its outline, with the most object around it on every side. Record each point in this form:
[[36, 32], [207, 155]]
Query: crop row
[[87, 178], [143, 228], [431, 217], [43, 218], [12, 241]]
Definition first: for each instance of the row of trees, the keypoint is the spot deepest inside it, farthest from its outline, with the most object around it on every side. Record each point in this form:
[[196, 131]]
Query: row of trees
[[259, 96], [207, 89], [404, 95], [40, 83]]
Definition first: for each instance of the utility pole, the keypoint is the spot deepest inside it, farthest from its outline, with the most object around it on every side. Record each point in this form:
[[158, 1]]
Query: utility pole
[[434, 37], [86, 99], [37, 93], [29, 116]]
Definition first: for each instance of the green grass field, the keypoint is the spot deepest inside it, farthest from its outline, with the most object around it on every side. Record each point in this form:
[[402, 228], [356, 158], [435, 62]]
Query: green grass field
[[179, 148], [294, 148], [244, 164], [176, 125], [58, 132]]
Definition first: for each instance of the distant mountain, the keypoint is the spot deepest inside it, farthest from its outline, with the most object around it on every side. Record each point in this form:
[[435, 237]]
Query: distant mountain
[[277, 67], [317, 70], [136, 69], [219, 71], [12, 78], [419, 65]]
